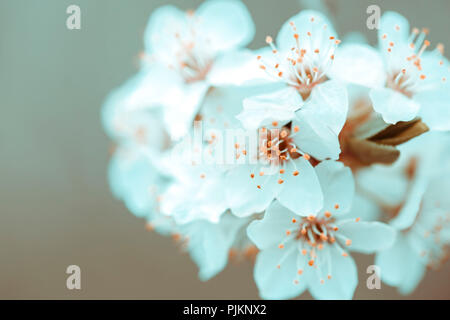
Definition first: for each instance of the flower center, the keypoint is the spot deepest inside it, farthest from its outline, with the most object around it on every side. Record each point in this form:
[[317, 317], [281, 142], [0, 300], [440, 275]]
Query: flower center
[[303, 66], [193, 63], [314, 237], [277, 146], [405, 64], [316, 231], [193, 56]]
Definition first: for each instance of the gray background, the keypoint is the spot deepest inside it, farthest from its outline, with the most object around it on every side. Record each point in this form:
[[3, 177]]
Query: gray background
[[55, 205]]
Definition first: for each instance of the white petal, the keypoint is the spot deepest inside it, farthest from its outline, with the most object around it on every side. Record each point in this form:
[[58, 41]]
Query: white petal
[[435, 108], [209, 244], [316, 139], [344, 278], [131, 177], [395, 27], [242, 193], [321, 119], [395, 264], [367, 237], [261, 110], [329, 104], [303, 22], [274, 282], [164, 23], [337, 185], [180, 113], [359, 64], [412, 204], [270, 231], [226, 24], [302, 193], [393, 106], [363, 208], [384, 183], [235, 68]]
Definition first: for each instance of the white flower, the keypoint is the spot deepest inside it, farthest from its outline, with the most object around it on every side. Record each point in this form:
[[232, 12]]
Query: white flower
[[286, 145], [199, 50], [422, 245], [209, 243], [135, 179], [301, 61], [133, 114], [406, 80], [311, 252]]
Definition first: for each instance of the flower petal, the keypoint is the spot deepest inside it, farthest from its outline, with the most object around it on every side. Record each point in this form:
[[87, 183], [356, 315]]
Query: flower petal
[[180, 113], [274, 282], [363, 208], [306, 21], [209, 243], [242, 193], [359, 64], [394, 262], [225, 24], [383, 183], [367, 237], [435, 108], [337, 185], [160, 34], [344, 278], [131, 177], [321, 119], [277, 106], [393, 106], [269, 231], [301, 193], [235, 68], [393, 28]]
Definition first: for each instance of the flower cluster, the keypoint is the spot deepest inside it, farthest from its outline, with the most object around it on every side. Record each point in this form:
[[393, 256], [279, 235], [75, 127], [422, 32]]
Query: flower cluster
[[293, 155]]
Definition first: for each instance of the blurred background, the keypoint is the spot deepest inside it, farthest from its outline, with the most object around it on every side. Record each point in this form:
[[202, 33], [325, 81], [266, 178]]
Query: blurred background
[[56, 208]]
